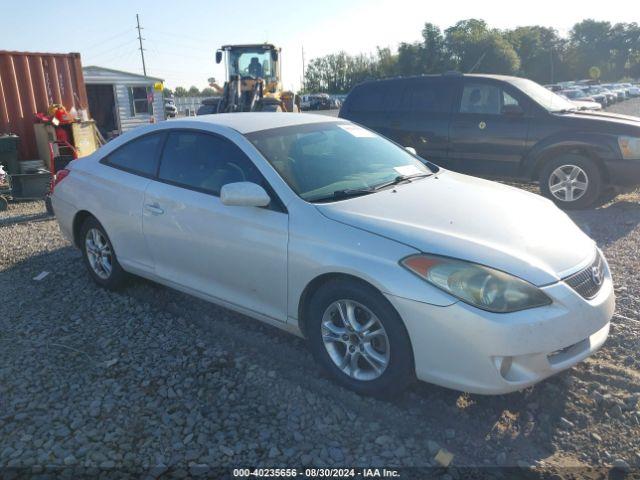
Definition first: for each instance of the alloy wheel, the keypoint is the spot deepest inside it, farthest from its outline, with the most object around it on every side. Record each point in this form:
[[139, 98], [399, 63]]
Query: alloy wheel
[[568, 183], [99, 253], [355, 340]]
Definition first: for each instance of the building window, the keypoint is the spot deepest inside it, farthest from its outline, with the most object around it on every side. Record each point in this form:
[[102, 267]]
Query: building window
[[141, 100]]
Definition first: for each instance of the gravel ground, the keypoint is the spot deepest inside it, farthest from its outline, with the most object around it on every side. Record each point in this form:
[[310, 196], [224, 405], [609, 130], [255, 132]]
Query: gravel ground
[[153, 380]]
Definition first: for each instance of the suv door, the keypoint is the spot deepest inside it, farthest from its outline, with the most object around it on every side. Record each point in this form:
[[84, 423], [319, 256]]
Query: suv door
[[488, 132], [235, 254], [420, 119]]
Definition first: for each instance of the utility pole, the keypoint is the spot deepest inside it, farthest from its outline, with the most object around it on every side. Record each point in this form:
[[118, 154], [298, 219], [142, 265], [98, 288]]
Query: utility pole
[[303, 68], [144, 67]]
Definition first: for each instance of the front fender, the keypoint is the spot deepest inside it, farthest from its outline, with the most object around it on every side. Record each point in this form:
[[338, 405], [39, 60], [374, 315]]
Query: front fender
[[601, 147], [320, 246]]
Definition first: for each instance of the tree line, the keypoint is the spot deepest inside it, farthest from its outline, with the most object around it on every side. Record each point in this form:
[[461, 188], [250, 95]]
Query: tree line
[[192, 92], [593, 49]]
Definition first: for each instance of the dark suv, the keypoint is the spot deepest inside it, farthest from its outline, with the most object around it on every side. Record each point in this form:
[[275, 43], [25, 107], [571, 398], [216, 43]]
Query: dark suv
[[499, 126]]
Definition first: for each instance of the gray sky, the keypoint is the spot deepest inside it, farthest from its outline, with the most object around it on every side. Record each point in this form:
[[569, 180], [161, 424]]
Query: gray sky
[[182, 36]]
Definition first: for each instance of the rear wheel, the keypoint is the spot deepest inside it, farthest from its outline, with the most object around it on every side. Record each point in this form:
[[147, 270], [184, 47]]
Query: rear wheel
[[359, 338], [572, 181], [99, 256]]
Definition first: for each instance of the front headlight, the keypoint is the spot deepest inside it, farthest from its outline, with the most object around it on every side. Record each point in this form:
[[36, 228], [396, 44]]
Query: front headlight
[[630, 147], [477, 285]]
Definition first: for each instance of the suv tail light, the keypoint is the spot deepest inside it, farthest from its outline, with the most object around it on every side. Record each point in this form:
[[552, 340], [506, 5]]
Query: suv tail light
[[59, 176]]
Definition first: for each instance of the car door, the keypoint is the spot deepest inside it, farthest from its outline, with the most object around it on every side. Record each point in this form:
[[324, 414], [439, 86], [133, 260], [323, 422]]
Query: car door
[[122, 191], [488, 132], [235, 254], [420, 118]]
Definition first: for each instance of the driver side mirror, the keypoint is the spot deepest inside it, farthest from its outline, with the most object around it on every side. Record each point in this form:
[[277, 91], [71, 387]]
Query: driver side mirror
[[274, 55], [244, 194], [218, 56], [512, 109]]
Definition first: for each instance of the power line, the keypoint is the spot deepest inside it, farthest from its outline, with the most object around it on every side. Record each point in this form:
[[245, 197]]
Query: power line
[[106, 40], [144, 67]]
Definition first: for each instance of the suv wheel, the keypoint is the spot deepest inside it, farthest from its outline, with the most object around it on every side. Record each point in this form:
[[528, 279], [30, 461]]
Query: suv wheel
[[572, 181], [359, 339], [99, 256]]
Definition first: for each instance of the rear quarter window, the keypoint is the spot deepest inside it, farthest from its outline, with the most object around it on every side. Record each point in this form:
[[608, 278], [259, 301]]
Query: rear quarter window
[[139, 156]]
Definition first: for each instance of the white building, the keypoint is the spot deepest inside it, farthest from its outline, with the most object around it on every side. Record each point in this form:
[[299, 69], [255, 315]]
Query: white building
[[120, 101]]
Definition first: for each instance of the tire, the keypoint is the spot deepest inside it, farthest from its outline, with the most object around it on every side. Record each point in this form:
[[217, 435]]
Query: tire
[[114, 277], [386, 380], [578, 170]]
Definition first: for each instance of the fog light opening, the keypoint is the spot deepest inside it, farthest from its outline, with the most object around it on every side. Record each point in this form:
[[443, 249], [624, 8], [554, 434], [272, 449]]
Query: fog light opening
[[505, 366]]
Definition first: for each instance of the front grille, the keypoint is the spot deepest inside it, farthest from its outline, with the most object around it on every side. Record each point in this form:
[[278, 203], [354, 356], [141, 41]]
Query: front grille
[[585, 282]]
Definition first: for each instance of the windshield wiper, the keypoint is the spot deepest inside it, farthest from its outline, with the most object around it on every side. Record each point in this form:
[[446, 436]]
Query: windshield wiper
[[358, 192], [400, 179], [346, 193], [565, 110]]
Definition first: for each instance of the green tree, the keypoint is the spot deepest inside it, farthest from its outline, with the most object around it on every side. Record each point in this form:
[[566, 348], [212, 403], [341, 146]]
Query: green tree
[[167, 92], [193, 91], [208, 92], [591, 44], [180, 92], [541, 52], [474, 47]]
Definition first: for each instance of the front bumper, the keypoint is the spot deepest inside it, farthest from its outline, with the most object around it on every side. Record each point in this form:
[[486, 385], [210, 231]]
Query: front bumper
[[464, 348], [623, 173]]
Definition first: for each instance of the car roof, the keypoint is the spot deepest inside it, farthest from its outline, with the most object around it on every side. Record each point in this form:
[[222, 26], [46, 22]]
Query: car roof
[[255, 121]]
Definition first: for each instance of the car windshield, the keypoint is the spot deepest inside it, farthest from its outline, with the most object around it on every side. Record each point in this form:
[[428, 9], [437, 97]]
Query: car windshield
[[542, 96], [251, 62], [328, 161]]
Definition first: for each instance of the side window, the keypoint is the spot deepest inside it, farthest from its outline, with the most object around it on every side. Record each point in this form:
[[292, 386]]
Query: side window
[[508, 99], [138, 156], [205, 162], [140, 103], [426, 97], [481, 98]]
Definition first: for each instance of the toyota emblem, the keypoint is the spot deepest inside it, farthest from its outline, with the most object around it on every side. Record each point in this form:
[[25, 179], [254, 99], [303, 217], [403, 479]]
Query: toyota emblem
[[596, 275]]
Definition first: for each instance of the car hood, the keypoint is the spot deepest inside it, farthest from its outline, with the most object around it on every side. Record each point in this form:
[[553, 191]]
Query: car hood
[[476, 220], [608, 116]]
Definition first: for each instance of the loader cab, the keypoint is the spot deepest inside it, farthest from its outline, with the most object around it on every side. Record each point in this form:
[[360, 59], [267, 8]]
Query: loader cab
[[252, 62]]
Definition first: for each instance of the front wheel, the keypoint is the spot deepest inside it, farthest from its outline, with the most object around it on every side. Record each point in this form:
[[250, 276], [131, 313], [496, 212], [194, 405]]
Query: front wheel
[[359, 339], [572, 181]]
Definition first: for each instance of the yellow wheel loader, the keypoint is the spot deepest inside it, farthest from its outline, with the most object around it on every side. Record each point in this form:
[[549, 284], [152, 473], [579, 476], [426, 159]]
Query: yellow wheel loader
[[253, 82]]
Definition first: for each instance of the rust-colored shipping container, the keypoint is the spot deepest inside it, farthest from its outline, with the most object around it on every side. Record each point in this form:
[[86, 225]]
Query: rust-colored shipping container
[[29, 83]]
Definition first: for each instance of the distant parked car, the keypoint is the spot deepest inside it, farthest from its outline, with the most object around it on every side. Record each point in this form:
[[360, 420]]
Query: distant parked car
[[492, 125], [390, 267], [553, 87], [170, 109], [580, 99], [634, 91]]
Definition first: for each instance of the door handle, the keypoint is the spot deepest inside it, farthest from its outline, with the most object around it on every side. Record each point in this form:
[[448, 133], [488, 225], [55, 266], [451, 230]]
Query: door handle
[[154, 208]]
